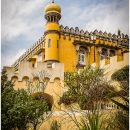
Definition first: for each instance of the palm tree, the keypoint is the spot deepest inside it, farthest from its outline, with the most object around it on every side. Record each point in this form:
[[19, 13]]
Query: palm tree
[[122, 116]]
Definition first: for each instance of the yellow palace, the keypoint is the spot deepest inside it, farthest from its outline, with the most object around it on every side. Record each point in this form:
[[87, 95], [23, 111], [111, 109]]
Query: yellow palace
[[67, 49]]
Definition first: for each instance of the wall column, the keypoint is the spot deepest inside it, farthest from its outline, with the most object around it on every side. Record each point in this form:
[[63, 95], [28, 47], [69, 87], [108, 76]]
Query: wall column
[[92, 55], [119, 55]]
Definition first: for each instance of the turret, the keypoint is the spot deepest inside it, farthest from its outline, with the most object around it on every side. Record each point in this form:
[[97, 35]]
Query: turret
[[52, 28]]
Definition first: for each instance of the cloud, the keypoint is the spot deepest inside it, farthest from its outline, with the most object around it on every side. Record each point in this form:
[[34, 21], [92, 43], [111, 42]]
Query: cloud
[[102, 16], [23, 17], [10, 59], [19, 17]]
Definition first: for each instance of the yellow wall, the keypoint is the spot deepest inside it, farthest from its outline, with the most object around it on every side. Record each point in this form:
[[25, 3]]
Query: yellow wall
[[67, 53], [97, 57], [92, 55], [69, 56]]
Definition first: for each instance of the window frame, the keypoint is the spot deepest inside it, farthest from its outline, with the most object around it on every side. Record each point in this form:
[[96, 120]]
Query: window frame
[[81, 57]]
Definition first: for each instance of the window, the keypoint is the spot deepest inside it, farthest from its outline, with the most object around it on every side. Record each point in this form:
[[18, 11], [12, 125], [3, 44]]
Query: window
[[82, 57], [49, 43], [57, 43], [112, 53], [39, 57], [104, 53], [33, 65]]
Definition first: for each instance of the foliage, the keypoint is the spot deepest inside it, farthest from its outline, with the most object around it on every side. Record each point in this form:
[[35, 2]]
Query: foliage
[[38, 113], [122, 116], [121, 75], [55, 125], [5, 84], [67, 99], [7, 98], [45, 97], [87, 87], [20, 110]]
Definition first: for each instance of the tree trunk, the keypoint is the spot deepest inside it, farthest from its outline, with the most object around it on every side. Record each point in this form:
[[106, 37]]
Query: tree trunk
[[35, 127]]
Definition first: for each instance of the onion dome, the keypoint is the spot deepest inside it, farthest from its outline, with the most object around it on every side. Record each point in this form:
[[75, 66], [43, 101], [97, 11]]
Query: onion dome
[[52, 7]]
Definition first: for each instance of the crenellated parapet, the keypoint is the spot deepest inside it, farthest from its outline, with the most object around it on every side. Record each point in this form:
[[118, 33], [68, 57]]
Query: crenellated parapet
[[119, 40], [36, 47], [25, 71]]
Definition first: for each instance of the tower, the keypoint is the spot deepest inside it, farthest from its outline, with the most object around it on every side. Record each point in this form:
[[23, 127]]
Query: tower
[[52, 16]]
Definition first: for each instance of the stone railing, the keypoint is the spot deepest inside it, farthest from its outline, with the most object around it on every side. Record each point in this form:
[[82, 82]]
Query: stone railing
[[40, 44]]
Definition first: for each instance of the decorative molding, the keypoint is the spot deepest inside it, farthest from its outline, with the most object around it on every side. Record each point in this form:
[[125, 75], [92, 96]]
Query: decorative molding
[[51, 31]]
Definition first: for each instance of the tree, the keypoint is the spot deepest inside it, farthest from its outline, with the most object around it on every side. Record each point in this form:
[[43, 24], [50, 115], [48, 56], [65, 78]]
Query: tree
[[40, 110], [5, 84], [89, 89], [43, 100], [40, 84], [20, 110], [7, 101], [27, 110]]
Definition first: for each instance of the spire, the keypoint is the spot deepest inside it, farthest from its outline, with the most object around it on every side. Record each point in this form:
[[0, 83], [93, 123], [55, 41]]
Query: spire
[[52, 1]]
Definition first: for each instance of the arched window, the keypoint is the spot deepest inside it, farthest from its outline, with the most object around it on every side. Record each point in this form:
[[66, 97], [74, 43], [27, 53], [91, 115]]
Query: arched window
[[104, 53], [82, 57]]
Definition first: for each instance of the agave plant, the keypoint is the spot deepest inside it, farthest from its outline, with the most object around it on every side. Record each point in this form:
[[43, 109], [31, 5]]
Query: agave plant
[[92, 122], [55, 125]]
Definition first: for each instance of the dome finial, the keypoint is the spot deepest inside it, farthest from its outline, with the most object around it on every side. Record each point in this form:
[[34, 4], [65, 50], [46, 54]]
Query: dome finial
[[53, 1]]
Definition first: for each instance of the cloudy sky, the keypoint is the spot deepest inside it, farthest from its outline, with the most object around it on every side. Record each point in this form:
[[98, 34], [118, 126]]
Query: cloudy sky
[[23, 21]]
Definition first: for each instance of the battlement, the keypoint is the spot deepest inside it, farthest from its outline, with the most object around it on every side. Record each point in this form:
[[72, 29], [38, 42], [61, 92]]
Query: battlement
[[25, 71], [121, 39]]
